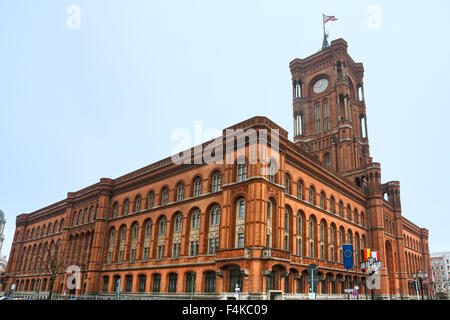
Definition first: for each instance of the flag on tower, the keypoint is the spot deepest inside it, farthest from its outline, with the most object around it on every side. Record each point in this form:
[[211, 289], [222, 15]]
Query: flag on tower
[[328, 18]]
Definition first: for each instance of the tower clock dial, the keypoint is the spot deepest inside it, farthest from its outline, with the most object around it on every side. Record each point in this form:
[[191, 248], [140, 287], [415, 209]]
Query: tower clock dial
[[320, 86]]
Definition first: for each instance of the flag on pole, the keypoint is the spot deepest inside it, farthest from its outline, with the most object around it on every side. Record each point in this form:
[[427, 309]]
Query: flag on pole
[[375, 255], [348, 255], [365, 254], [328, 18], [433, 276]]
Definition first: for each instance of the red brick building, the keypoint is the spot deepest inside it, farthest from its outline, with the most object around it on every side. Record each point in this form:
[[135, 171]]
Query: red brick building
[[181, 230]]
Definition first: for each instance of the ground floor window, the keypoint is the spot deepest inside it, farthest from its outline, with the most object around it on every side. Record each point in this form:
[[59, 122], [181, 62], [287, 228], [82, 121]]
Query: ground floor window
[[235, 280], [142, 280], [156, 282], [128, 283], [210, 283], [105, 284], [173, 282], [299, 285], [190, 282]]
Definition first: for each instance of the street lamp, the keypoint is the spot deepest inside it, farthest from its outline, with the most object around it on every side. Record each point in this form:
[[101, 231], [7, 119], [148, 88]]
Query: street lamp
[[419, 278]]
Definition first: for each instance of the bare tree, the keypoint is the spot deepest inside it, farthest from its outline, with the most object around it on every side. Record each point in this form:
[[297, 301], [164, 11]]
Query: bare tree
[[54, 260]]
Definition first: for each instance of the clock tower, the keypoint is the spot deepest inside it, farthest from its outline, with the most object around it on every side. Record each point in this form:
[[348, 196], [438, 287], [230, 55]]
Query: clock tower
[[329, 110]]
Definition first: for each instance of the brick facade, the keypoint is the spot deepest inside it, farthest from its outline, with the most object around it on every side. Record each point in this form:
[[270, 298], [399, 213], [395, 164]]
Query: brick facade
[[158, 228]]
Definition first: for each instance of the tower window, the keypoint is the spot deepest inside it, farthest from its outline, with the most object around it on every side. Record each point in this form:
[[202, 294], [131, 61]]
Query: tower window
[[317, 113], [326, 118]]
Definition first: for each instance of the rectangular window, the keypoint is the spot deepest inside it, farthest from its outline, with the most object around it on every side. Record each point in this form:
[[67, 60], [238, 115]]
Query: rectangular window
[[194, 248], [211, 246], [105, 284], [210, 285], [172, 282], [145, 253], [142, 280], [317, 112], [241, 240], [129, 282], [156, 282]]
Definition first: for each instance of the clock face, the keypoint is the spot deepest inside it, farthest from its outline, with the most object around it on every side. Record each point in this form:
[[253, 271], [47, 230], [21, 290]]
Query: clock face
[[320, 86]]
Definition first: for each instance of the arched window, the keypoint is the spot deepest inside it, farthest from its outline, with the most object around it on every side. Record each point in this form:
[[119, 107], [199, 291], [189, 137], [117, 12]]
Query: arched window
[[147, 240], [341, 209], [151, 199], [137, 204], [216, 181], [115, 209], [135, 231], [178, 222], [173, 282], [287, 183], [300, 189], [332, 205], [349, 213], [91, 214], [287, 218], [49, 228], [142, 280], [126, 207], [197, 187], [241, 206], [162, 225], [86, 216], [61, 226], [165, 196], [272, 170], [210, 282], [322, 240], [148, 228], [240, 223], [213, 231], [311, 237], [55, 227], [322, 200], [355, 216], [180, 192], [298, 129], [317, 117], [327, 160], [269, 223], [195, 219], [332, 242], [190, 282], [156, 282], [299, 234], [363, 126], [326, 117], [80, 218], [242, 170], [312, 193], [215, 216]]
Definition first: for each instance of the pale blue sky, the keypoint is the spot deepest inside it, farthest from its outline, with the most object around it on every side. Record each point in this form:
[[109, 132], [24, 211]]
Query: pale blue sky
[[78, 105]]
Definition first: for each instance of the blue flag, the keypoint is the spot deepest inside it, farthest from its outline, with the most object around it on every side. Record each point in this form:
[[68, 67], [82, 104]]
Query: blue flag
[[348, 255]]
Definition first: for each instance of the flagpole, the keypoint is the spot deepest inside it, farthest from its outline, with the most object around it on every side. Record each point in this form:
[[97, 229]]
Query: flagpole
[[323, 23]]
